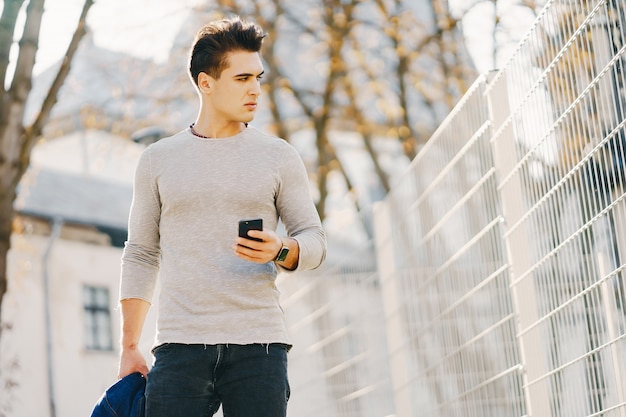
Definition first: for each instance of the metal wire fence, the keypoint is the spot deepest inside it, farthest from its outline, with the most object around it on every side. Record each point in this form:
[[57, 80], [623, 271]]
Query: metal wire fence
[[498, 288]]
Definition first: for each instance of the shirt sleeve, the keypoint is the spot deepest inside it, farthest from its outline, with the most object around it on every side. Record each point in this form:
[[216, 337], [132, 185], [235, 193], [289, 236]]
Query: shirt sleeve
[[297, 210], [142, 253]]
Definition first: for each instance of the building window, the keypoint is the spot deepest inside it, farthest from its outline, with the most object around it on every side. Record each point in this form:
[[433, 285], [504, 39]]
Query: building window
[[97, 318]]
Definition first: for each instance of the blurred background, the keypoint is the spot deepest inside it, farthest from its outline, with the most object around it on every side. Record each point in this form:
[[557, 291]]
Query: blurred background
[[465, 156]]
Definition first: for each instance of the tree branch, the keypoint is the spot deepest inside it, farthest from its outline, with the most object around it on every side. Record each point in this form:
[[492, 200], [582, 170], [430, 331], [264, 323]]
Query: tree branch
[[23, 74], [33, 131], [7, 28]]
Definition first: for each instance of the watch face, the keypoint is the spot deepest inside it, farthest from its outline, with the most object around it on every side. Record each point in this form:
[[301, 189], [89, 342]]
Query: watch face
[[282, 255]]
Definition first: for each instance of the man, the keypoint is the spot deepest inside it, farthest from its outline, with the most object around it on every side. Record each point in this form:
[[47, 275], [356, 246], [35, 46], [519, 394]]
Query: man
[[221, 337]]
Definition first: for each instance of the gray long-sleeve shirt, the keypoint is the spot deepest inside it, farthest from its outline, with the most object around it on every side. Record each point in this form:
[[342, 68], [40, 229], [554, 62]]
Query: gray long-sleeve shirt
[[189, 195]]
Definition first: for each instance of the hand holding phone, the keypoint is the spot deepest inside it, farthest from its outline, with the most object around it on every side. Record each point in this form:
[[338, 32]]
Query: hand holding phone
[[246, 225]]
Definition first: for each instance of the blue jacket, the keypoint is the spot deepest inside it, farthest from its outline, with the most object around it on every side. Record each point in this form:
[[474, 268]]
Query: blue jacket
[[125, 398]]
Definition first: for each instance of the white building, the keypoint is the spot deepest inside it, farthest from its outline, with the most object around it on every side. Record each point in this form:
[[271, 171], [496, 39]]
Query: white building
[[62, 336]]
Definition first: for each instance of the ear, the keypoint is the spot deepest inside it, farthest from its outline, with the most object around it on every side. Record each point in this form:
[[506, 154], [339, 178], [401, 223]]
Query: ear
[[205, 83]]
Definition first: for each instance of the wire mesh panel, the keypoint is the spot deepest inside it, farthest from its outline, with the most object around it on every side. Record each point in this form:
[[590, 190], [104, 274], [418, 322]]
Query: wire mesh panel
[[445, 280], [563, 198]]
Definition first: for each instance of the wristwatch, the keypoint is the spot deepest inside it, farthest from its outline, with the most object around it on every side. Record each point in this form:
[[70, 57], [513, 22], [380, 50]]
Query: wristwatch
[[282, 254]]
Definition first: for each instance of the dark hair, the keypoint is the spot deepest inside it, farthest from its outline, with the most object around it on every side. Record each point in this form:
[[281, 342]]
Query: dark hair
[[217, 39]]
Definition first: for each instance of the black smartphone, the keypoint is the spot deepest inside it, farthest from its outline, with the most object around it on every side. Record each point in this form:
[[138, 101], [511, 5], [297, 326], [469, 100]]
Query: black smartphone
[[247, 225]]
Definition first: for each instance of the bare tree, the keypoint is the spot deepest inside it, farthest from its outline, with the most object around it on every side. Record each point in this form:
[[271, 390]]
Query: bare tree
[[16, 138]]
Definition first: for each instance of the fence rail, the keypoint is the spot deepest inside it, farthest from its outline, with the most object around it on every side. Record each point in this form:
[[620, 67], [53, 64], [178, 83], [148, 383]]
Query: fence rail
[[499, 287]]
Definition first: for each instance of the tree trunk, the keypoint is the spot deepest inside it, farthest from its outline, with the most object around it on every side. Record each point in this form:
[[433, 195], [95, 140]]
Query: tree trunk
[[12, 128], [6, 223], [17, 140]]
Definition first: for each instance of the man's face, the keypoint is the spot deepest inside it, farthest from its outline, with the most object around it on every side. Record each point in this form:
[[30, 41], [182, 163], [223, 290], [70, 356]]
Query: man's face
[[234, 95]]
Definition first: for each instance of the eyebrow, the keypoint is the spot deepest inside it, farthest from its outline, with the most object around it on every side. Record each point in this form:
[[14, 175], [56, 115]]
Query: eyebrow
[[245, 74]]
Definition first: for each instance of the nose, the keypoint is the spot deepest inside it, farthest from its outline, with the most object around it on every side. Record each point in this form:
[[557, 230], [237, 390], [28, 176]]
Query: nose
[[255, 89]]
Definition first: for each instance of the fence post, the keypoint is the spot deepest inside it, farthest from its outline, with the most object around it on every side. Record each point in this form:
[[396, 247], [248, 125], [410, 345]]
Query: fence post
[[399, 358], [517, 240], [608, 91]]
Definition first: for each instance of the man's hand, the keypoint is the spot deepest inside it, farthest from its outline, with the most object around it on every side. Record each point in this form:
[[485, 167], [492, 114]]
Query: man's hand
[[131, 361], [259, 252], [267, 250]]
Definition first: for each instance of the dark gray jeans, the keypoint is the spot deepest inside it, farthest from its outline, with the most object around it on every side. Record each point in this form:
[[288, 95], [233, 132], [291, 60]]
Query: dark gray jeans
[[194, 380]]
